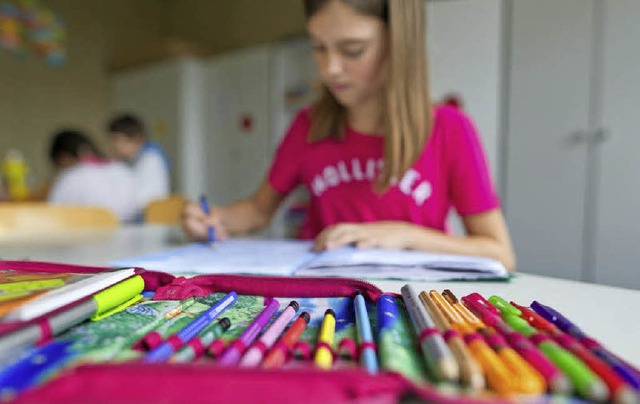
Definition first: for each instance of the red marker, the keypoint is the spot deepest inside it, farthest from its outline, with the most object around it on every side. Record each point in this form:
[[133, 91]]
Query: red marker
[[278, 354], [620, 393]]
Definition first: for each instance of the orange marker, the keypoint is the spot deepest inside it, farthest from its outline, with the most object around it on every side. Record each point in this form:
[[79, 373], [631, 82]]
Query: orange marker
[[498, 376]]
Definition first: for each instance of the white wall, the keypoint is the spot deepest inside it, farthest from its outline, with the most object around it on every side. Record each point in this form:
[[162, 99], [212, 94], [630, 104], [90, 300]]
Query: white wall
[[464, 47]]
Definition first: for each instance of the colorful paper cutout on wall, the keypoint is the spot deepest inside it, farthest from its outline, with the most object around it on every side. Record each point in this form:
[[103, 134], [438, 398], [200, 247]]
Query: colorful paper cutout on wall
[[29, 27]]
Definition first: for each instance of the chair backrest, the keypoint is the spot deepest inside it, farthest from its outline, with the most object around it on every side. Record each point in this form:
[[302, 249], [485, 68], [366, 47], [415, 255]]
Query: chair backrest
[[41, 217], [164, 211]]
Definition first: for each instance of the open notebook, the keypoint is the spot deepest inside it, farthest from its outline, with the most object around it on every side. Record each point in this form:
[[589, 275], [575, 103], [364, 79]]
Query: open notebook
[[295, 258]]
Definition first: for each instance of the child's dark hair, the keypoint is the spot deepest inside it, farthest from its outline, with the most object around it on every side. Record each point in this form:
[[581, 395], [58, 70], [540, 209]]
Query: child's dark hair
[[127, 125], [72, 143]]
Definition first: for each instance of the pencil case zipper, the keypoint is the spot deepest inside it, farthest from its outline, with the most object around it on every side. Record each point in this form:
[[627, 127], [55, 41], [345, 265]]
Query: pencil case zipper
[[269, 286]]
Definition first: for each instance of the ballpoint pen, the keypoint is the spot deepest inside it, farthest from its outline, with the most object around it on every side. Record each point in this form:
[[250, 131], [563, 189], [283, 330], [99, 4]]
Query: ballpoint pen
[[211, 232]]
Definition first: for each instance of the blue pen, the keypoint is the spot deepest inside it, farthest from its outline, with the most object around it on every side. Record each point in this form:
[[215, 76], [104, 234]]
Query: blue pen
[[628, 373], [29, 371], [365, 337], [204, 204], [164, 351]]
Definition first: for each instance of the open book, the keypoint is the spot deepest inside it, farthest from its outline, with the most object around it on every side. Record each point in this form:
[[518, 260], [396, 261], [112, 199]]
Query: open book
[[295, 258], [25, 295]]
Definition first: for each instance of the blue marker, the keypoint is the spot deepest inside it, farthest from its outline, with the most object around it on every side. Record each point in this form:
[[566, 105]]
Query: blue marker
[[210, 230], [29, 371], [163, 352], [365, 337]]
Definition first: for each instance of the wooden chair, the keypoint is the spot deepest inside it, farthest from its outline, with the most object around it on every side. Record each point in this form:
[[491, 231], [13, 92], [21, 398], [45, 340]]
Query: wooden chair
[[40, 220], [164, 211]]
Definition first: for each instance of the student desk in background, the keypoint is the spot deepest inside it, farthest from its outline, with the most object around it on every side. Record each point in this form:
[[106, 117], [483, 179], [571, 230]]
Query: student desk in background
[[606, 313]]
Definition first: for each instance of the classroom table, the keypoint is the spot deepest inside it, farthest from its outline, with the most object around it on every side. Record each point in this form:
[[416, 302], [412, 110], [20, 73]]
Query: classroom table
[[608, 314]]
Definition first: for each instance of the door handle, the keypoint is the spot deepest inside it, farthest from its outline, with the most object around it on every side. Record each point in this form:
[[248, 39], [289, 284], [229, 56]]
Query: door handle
[[601, 135]]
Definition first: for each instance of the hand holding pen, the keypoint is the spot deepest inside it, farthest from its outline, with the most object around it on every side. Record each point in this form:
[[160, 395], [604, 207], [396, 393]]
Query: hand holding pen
[[211, 232], [196, 223]]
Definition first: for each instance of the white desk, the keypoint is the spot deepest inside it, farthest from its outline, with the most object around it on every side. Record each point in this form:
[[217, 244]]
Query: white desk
[[610, 315]]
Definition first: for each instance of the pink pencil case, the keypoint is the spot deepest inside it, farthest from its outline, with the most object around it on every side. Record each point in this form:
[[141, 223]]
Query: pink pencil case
[[167, 382]]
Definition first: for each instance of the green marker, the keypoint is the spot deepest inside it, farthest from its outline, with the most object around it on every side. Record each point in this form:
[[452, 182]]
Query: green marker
[[194, 348], [586, 383], [395, 345]]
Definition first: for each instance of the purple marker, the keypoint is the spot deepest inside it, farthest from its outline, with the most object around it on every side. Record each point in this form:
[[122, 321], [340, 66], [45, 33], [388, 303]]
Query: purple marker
[[231, 355], [626, 371], [163, 352], [254, 355]]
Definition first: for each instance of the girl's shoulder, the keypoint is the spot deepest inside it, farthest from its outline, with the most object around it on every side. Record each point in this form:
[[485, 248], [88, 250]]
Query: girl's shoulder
[[453, 123], [450, 114]]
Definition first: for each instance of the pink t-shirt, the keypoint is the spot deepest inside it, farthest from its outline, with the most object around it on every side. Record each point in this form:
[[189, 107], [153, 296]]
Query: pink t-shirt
[[340, 176]]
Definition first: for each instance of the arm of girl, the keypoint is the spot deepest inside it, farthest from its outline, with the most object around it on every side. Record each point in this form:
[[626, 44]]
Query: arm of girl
[[238, 218], [486, 236]]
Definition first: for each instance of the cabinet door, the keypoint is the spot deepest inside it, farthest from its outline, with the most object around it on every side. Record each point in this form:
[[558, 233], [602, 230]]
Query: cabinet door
[[238, 124], [546, 153], [617, 237]]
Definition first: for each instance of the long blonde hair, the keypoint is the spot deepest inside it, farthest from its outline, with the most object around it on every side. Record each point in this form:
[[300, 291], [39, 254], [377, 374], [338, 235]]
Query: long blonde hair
[[407, 121]]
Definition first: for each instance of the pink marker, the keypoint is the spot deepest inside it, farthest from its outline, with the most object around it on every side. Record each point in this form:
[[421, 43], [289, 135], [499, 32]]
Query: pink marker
[[231, 356], [254, 355]]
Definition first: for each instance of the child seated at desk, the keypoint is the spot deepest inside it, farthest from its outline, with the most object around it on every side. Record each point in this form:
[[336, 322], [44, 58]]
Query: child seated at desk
[[148, 161], [382, 165], [85, 177]]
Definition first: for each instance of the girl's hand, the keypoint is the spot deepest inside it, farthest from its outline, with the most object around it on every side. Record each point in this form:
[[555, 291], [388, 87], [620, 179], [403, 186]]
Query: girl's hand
[[195, 223], [398, 235]]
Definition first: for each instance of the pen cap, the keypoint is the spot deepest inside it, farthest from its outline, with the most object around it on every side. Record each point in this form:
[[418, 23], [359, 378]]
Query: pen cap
[[329, 311], [118, 294], [295, 305], [306, 317], [225, 323]]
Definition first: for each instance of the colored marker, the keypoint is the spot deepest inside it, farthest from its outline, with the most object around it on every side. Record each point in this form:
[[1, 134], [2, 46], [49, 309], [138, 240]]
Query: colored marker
[[586, 383], [498, 376], [254, 355], [527, 379], [470, 371], [556, 381], [367, 346], [231, 356], [196, 347], [278, 354], [618, 388], [630, 374], [395, 349], [211, 232], [441, 364], [102, 302], [164, 351], [324, 347]]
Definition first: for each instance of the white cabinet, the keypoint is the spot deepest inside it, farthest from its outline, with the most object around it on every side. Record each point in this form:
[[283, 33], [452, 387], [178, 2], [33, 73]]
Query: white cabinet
[[168, 96], [571, 193]]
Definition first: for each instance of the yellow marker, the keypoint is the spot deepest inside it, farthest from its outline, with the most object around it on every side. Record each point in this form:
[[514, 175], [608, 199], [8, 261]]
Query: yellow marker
[[527, 379], [499, 377], [324, 345], [470, 371]]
